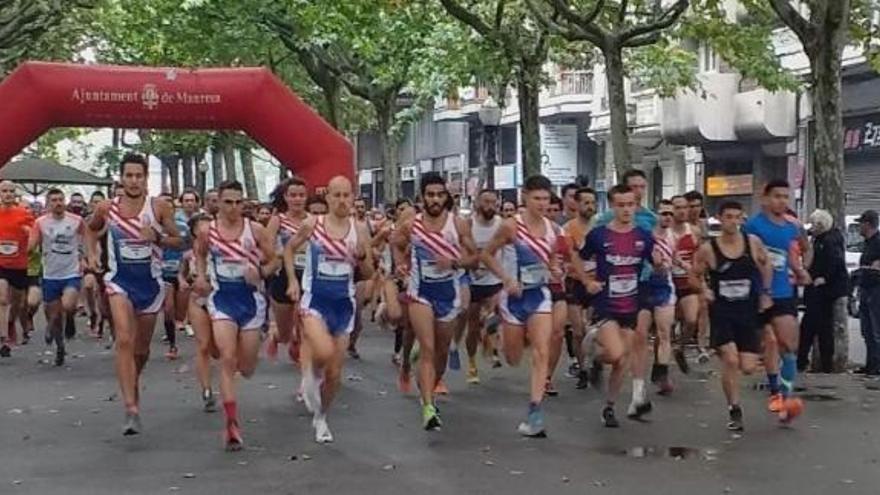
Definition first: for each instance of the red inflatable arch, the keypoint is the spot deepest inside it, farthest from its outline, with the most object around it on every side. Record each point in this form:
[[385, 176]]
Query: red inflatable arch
[[39, 96]]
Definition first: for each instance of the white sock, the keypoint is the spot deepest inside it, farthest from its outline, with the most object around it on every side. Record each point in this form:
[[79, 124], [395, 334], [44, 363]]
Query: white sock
[[454, 346], [638, 390]]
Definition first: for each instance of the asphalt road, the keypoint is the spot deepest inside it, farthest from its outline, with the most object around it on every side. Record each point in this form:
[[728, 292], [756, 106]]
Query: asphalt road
[[60, 433]]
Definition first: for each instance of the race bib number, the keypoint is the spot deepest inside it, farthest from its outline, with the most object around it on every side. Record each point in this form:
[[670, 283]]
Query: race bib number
[[299, 260], [533, 275], [778, 258], [8, 248], [171, 265], [230, 269], [433, 273], [623, 285], [735, 290], [135, 251], [678, 271], [333, 268]]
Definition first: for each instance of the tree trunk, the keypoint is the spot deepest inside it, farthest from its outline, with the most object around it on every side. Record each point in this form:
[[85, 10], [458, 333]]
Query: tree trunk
[[187, 163], [217, 164], [331, 112], [201, 173], [247, 170], [619, 130], [528, 90], [170, 163], [229, 159], [828, 139], [388, 144]]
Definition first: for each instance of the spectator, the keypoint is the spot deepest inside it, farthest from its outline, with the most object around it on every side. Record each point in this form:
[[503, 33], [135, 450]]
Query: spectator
[[869, 291], [829, 283]]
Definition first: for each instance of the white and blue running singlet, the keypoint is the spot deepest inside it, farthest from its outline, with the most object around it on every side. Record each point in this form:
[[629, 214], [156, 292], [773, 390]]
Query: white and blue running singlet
[[328, 280], [134, 263], [232, 297], [429, 284], [529, 258]]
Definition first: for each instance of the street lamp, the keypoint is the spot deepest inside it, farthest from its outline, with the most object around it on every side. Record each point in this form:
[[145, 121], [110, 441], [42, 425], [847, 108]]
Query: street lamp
[[490, 117]]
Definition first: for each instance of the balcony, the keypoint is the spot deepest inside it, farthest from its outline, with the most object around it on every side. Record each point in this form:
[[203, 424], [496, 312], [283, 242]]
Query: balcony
[[462, 106], [572, 93]]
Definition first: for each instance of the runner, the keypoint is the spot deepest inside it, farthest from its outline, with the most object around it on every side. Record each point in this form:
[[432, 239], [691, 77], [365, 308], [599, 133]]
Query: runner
[[59, 235], [686, 240], [363, 285], [508, 209], [698, 220], [781, 235], [661, 290], [621, 249], [563, 254], [570, 204], [199, 318], [528, 241], [441, 246], [579, 309], [336, 245], [735, 263], [316, 205], [92, 291], [15, 227], [485, 285], [212, 202], [177, 299], [289, 200], [232, 254], [139, 227]]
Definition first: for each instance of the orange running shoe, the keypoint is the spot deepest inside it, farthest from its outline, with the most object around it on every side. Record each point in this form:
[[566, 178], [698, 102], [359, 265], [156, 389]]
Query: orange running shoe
[[776, 403], [792, 408], [404, 383], [441, 388]]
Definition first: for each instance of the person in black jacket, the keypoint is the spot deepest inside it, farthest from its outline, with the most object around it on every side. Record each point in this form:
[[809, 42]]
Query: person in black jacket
[[828, 272]]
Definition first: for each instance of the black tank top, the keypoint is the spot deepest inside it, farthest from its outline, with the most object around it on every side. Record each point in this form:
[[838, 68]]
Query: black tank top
[[733, 280]]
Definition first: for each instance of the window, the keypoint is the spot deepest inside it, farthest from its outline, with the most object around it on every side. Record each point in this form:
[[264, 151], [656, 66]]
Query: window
[[707, 58]]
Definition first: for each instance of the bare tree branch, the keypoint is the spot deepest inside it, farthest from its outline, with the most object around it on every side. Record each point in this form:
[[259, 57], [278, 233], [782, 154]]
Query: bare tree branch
[[621, 14], [804, 30], [467, 17], [666, 19], [499, 14], [569, 31]]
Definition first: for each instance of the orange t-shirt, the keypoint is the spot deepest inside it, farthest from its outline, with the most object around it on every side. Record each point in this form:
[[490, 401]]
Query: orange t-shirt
[[13, 237]]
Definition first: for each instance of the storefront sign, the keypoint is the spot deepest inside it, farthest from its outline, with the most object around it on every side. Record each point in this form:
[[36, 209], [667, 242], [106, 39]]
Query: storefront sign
[[729, 185], [861, 135], [559, 153], [505, 177]]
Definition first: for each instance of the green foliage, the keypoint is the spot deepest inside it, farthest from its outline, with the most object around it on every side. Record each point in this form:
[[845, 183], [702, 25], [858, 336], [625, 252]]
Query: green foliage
[[664, 66]]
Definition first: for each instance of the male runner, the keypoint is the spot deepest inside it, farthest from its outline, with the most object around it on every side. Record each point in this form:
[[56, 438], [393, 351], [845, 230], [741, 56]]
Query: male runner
[[508, 209], [661, 291], [316, 205], [686, 241], [570, 203], [15, 226], [781, 235], [621, 249], [336, 245], [579, 312], [698, 220], [92, 290], [212, 202], [176, 299], [736, 262], [290, 213], [362, 284], [554, 210], [528, 241], [441, 246], [139, 227], [59, 235], [235, 254], [485, 285]]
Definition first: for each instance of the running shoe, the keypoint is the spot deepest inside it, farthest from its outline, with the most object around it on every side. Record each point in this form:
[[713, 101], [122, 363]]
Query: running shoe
[[188, 329], [430, 418], [353, 353], [322, 430], [69, 328], [583, 380], [608, 418], [209, 403], [396, 359], [5, 350], [703, 356], [234, 442], [440, 388], [791, 408], [404, 382], [26, 337], [473, 375], [496, 361], [735, 421], [775, 403], [681, 361], [132, 425], [311, 392], [48, 338], [550, 389], [59, 356], [454, 360], [171, 355], [638, 409], [665, 386], [534, 425], [573, 369]]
